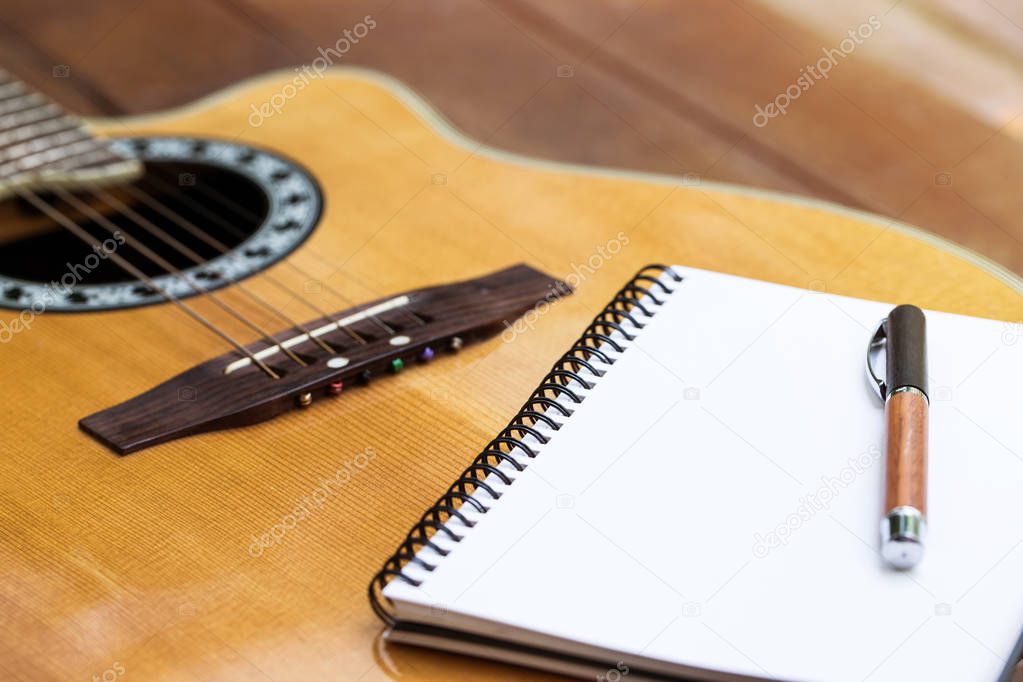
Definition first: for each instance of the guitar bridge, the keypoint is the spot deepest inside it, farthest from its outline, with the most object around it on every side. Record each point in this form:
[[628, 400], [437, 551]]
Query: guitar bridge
[[233, 389]]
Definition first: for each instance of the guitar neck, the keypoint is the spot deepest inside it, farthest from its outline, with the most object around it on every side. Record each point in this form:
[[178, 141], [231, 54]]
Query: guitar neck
[[42, 145]]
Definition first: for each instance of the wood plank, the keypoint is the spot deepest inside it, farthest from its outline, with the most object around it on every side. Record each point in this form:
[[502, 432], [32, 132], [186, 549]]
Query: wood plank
[[145, 56], [858, 134]]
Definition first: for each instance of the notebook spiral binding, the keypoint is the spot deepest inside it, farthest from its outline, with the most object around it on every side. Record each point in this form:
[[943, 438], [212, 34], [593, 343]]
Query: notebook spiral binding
[[510, 444]]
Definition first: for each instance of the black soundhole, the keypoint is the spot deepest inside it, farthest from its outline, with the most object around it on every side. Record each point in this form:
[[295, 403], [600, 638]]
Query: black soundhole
[[199, 212], [205, 214]]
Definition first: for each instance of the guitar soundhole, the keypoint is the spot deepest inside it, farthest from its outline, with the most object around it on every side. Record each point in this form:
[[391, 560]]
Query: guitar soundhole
[[214, 212], [45, 249]]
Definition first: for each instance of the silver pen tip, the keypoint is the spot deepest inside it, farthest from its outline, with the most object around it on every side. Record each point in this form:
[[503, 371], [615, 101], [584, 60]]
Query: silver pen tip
[[902, 537], [902, 554]]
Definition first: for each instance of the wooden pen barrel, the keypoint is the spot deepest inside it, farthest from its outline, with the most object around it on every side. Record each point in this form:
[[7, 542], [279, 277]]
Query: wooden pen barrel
[[906, 451]]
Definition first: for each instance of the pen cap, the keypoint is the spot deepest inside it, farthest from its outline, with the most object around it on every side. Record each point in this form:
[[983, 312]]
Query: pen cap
[[906, 350]]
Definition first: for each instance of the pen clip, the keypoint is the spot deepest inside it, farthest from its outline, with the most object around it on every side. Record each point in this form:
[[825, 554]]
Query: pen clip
[[878, 341]]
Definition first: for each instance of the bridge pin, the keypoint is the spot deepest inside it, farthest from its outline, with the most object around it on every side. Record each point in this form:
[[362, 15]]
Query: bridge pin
[[426, 355], [456, 343], [305, 400], [397, 364], [335, 387]]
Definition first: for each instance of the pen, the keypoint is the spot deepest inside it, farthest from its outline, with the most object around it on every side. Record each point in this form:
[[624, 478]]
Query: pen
[[903, 338]]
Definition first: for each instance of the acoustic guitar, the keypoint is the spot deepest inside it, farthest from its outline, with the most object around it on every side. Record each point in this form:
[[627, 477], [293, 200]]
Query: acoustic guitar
[[206, 457]]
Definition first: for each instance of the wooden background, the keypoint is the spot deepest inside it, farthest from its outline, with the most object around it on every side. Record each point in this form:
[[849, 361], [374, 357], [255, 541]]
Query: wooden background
[[919, 122]]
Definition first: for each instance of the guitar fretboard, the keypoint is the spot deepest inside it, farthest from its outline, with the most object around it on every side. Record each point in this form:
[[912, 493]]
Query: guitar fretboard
[[42, 145]]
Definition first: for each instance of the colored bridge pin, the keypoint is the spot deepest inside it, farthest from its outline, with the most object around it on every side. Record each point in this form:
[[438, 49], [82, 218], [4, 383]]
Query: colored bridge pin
[[426, 355], [456, 343], [335, 387], [397, 364], [305, 400], [365, 376]]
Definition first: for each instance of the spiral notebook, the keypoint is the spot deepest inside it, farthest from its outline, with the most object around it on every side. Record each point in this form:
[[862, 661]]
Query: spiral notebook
[[694, 492]]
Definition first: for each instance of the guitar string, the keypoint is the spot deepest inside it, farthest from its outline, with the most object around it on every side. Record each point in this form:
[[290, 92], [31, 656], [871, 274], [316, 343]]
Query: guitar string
[[387, 328], [195, 231], [19, 102], [57, 216], [82, 234], [82, 207], [240, 210], [33, 128], [12, 89], [227, 225], [150, 227], [154, 257], [167, 266]]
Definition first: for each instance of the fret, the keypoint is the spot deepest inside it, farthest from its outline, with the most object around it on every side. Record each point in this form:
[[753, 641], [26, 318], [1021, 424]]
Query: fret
[[33, 130], [52, 155], [20, 103], [9, 90], [43, 143], [26, 117], [87, 166]]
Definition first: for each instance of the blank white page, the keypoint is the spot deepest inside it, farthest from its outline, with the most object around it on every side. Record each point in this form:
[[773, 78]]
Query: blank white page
[[715, 502]]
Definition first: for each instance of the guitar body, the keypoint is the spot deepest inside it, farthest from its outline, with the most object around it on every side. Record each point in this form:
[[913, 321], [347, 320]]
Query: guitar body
[[155, 565]]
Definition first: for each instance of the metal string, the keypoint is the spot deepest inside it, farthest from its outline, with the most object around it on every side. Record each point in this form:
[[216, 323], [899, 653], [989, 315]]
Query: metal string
[[103, 222], [195, 231], [166, 238], [125, 210], [70, 225], [224, 200]]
